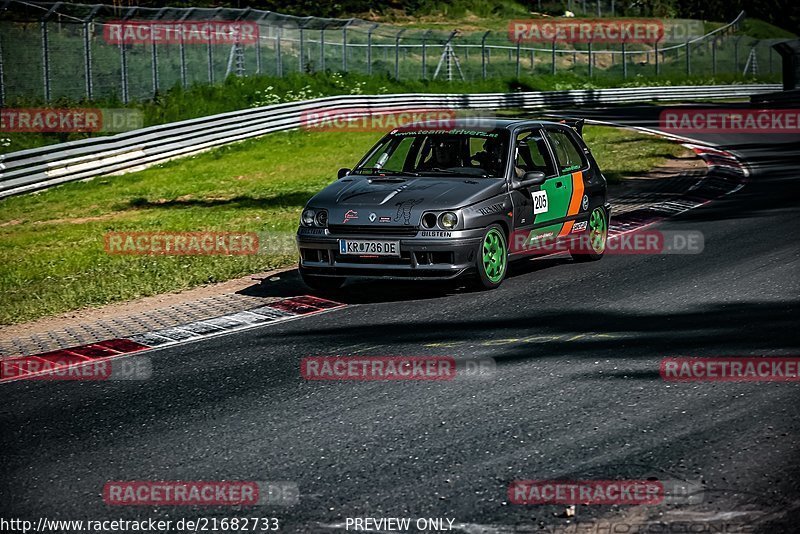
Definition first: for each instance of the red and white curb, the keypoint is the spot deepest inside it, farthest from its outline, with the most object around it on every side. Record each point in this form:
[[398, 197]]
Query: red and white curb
[[69, 359]]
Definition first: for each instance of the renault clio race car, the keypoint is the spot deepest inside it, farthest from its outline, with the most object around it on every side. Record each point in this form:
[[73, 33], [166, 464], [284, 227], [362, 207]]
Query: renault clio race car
[[442, 203]]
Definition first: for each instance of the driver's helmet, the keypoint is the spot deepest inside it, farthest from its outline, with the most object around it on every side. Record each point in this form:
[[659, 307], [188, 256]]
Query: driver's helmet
[[493, 147], [445, 153], [492, 157]]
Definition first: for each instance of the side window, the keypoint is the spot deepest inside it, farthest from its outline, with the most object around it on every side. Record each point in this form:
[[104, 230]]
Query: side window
[[568, 155], [532, 153]]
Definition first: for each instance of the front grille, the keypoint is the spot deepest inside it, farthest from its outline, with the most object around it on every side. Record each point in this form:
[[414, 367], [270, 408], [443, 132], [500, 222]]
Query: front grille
[[376, 230]]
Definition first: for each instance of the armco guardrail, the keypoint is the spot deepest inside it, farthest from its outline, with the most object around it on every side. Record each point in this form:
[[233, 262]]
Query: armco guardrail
[[39, 168]]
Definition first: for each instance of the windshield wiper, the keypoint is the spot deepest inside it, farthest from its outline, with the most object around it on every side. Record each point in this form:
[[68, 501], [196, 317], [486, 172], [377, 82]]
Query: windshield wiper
[[378, 170]]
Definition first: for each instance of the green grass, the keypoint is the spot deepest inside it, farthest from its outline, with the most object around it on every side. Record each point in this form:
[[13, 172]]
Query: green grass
[[241, 93], [621, 153], [52, 243]]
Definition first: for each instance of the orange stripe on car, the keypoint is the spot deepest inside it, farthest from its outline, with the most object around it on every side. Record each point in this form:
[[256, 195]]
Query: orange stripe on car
[[577, 193], [574, 201]]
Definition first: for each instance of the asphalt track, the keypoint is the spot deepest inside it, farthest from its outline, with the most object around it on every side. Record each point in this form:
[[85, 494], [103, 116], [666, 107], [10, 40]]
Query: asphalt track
[[576, 394]]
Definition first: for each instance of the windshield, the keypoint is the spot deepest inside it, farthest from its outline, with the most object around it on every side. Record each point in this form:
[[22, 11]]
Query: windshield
[[441, 152]]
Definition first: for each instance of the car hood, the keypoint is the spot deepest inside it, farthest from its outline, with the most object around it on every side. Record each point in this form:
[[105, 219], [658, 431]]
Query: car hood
[[357, 198]]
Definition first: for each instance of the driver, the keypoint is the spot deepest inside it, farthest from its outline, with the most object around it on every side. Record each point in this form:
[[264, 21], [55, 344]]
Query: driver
[[490, 158], [445, 155]]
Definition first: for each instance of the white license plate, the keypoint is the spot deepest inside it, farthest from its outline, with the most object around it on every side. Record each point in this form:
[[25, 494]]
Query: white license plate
[[363, 247]]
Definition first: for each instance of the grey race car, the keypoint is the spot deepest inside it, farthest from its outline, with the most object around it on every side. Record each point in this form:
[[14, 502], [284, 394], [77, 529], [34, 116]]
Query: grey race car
[[441, 203]]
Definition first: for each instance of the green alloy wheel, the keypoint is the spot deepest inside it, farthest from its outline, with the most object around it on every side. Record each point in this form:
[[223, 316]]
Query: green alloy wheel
[[492, 257], [598, 235]]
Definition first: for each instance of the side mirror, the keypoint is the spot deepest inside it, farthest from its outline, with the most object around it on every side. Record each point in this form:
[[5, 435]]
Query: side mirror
[[529, 179], [342, 173]]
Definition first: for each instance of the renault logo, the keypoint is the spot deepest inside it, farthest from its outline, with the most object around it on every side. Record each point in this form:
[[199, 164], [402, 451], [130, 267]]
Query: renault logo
[[372, 217]]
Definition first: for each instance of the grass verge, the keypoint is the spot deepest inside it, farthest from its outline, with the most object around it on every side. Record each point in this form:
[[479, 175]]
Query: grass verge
[[52, 242], [254, 91]]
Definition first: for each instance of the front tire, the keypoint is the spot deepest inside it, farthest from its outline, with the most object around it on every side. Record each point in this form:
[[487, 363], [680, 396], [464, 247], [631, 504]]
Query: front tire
[[321, 283], [597, 229], [492, 260]]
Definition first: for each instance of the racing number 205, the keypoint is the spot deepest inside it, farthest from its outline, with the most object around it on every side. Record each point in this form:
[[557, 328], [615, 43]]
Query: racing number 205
[[539, 201]]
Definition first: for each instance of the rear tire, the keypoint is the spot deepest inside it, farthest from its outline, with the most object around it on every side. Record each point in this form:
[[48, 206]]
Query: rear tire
[[321, 283], [492, 257], [597, 231]]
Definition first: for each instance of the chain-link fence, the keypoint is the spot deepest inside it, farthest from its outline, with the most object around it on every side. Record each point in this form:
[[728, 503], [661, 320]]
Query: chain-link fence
[[50, 51]]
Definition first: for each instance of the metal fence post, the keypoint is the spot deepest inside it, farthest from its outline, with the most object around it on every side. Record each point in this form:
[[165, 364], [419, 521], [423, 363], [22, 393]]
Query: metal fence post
[[612, 9], [591, 60], [154, 55], [210, 54], [2, 78], [344, 45], [278, 55], [483, 55], [517, 66], [154, 64], [45, 59], [658, 64], [46, 49], [123, 58], [369, 48], [688, 58], [302, 50], [322, 47], [259, 62], [182, 47], [714, 57], [424, 54], [397, 54], [87, 61], [258, 52], [553, 54], [599, 13], [624, 61]]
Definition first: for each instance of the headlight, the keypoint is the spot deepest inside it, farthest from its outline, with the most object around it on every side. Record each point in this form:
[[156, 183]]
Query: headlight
[[322, 218], [307, 218], [448, 220], [429, 220]]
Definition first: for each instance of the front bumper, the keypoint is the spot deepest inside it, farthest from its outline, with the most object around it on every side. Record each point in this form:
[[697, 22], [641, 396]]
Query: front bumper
[[442, 256]]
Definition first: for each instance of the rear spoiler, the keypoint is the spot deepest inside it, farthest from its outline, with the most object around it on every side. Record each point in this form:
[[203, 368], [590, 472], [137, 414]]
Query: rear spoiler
[[575, 124]]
